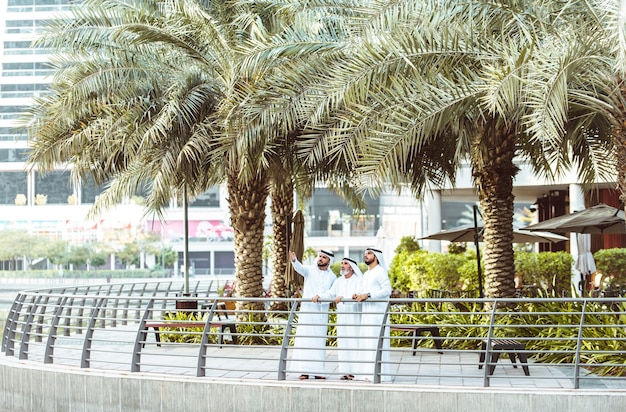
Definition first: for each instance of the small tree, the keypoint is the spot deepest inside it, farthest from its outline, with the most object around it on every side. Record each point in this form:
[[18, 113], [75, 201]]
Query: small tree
[[408, 244], [129, 255], [78, 255], [97, 259]]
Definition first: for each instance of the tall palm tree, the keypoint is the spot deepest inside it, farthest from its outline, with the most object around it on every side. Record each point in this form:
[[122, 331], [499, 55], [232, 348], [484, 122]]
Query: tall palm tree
[[134, 105], [148, 77], [452, 78], [268, 115]]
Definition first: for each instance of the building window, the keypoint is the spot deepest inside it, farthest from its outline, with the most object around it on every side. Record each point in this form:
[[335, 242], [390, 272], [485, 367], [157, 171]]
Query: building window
[[332, 216], [11, 185], [11, 112], [90, 191], [13, 155], [210, 198], [54, 185]]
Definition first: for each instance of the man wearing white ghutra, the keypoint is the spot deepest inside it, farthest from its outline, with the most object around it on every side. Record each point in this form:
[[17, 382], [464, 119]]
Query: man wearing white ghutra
[[348, 317], [375, 285], [309, 349]]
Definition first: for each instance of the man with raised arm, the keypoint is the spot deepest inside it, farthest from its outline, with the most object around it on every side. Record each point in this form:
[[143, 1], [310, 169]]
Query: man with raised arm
[[309, 349]]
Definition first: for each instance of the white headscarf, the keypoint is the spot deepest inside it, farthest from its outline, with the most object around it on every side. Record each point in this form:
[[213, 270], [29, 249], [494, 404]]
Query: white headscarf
[[330, 256], [379, 256], [354, 266]]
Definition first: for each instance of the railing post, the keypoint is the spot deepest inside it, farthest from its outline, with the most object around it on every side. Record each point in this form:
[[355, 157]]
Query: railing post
[[382, 337], [167, 293], [11, 324], [487, 362], [127, 304], [204, 341], [42, 312], [115, 305], [282, 358], [140, 301], [81, 308], [68, 316], [85, 356], [26, 329], [579, 344], [52, 334], [140, 339]]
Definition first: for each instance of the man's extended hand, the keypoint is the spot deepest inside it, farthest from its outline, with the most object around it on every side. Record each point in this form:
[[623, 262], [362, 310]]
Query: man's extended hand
[[359, 297]]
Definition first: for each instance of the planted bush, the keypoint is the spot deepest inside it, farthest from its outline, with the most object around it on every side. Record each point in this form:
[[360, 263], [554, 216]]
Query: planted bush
[[612, 262], [422, 270], [548, 271]]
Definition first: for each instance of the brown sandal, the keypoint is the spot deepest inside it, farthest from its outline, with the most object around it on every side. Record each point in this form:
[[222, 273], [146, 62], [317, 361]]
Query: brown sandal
[[320, 377], [303, 377]]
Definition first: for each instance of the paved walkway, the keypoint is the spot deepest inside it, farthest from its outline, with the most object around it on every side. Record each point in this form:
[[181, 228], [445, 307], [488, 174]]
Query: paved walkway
[[426, 368]]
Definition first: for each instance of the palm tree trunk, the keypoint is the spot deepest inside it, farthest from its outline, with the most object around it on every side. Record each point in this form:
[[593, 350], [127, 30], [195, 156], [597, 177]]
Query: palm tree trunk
[[281, 191], [246, 201], [620, 152], [494, 172]]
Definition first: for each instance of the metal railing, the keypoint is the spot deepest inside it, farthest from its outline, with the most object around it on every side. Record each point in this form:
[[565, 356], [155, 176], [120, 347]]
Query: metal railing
[[453, 342]]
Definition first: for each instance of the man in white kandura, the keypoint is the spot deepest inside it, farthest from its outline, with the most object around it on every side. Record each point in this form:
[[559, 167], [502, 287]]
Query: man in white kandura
[[309, 349], [348, 316], [375, 285]]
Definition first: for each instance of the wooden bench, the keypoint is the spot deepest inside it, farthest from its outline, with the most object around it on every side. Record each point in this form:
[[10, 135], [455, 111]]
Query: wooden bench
[[512, 347], [157, 326], [418, 331]]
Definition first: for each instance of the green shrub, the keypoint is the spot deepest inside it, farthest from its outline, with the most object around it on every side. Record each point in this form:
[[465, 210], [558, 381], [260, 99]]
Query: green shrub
[[408, 244], [422, 270], [468, 272], [612, 262], [405, 267], [181, 335], [549, 271]]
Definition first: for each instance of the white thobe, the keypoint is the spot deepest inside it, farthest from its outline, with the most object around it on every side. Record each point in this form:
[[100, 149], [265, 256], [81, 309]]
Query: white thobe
[[309, 348], [376, 283], [348, 323]]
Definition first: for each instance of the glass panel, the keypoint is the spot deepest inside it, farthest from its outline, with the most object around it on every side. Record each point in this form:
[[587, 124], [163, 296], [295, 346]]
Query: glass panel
[[210, 198], [12, 184], [90, 191], [329, 215], [55, 186]]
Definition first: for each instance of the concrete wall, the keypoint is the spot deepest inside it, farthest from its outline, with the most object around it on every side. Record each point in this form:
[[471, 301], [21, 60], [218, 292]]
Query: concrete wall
[[37, 388]]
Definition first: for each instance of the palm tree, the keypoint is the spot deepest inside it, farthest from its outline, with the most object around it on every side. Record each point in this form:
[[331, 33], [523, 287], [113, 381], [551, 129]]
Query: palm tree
[[451, 80], [269, 118], [156, 87], [134, 105]]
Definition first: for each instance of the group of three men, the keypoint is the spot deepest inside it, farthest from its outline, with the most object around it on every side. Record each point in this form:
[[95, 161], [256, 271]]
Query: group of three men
[[359, 316]]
